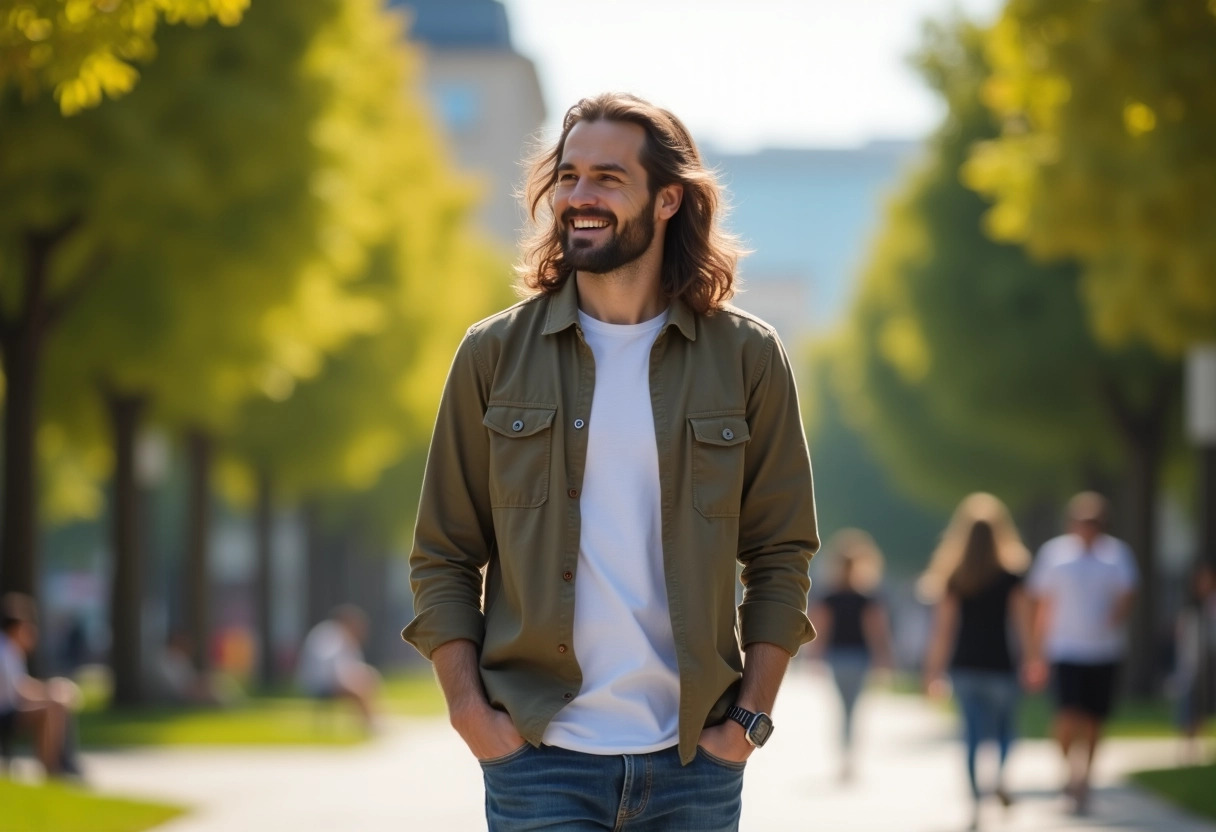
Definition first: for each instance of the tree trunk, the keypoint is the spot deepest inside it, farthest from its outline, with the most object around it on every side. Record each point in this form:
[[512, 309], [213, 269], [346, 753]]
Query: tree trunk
[[265, 609], [19, 543], [320, 579], [1206, 510], [1143, 430], [197, 585], [126, 597], [373, 570], [1143, 666]]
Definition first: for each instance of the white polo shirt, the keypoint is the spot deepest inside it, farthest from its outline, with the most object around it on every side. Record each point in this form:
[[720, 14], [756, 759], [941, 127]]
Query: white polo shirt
[[1082, 587]]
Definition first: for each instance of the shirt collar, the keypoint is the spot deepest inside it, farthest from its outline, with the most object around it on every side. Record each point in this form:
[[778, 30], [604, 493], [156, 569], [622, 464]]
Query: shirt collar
[[563, 312]]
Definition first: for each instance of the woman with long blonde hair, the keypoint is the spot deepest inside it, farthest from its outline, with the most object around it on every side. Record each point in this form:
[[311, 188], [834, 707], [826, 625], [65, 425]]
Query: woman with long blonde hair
[[975, 581]]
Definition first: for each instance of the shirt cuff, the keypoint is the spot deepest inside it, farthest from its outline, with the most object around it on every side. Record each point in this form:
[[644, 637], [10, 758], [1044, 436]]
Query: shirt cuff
[[774, 623], [443, 623]]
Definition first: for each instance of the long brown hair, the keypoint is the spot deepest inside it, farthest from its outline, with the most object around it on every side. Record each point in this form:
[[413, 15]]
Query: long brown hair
[[699, 257], [980, 541]]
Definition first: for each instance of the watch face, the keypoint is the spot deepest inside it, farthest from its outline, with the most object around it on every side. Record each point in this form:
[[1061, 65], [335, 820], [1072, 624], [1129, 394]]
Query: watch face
[[761, 730]]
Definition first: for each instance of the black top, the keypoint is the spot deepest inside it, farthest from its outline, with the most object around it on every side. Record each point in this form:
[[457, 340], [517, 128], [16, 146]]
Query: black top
[[847, 607], [983, 627]]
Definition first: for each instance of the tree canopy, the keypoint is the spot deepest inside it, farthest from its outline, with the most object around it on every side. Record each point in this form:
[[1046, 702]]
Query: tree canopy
[[1107, 116], [85, 50]]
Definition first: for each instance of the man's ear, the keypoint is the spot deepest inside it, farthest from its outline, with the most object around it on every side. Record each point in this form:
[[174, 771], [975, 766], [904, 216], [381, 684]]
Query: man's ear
[[668, 201]]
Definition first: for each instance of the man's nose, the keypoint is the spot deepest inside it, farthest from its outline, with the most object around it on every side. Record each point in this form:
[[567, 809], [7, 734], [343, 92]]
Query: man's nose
[[583, 194]]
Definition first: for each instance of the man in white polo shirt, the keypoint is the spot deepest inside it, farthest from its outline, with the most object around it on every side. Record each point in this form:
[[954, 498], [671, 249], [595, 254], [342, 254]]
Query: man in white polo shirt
[[1083, 583]]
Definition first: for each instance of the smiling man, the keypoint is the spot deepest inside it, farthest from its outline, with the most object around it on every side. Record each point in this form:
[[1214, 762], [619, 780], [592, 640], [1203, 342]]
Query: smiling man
[[606, 451]]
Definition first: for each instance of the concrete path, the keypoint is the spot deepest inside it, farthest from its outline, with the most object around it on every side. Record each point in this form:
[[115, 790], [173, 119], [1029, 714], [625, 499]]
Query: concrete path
[[418, 778]]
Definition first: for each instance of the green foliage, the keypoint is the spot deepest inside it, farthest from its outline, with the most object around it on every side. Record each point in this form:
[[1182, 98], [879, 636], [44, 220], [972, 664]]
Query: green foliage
[[56, 808], [967, 365], [372, 403], [1105, 155], [856, 491], [85, 49], [1190, 787]]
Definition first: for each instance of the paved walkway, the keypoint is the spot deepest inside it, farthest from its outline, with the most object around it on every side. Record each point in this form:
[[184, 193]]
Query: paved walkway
[[418, 778]]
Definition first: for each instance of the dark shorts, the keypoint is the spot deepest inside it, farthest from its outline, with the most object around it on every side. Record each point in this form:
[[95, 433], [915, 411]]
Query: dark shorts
[[1088, 688]]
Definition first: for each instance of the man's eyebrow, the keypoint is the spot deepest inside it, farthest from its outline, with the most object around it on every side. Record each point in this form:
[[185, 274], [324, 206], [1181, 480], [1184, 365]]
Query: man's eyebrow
[[603, 166]]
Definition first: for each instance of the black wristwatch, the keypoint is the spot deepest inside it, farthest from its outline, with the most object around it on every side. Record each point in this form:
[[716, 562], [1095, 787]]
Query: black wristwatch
[[757, 727]]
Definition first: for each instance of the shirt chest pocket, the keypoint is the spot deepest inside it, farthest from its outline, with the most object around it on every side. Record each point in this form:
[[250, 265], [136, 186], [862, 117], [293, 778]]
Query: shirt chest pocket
[[521, 445], [718, 449]]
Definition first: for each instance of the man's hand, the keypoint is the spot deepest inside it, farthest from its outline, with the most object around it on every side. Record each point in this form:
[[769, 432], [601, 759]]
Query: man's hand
[[488, 733], [726, 741]]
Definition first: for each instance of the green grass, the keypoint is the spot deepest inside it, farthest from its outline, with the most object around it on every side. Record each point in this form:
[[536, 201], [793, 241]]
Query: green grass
[[279, 718], [413, 694], [57, 808], [1189, 788]]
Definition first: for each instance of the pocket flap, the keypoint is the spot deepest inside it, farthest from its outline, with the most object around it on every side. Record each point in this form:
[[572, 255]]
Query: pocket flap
[[720, 430], [516, 422]]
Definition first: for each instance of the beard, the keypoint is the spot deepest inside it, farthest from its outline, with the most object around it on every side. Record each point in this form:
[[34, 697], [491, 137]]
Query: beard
[[627, 243]]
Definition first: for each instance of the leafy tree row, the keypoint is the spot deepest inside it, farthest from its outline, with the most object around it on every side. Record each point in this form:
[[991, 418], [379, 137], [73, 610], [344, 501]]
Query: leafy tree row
[[260, 248]]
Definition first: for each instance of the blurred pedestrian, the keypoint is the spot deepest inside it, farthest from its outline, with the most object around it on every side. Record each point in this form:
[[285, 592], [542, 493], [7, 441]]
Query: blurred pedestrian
[[1083, 584], [606, 453], [44, 709], [175, 679], [975, 579], [853, 627], [1195, 672], [331, 662]]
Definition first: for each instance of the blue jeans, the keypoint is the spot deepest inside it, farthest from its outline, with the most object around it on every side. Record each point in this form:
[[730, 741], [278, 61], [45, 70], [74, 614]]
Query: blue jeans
[[850, 665], [988, 700], [556, 789]]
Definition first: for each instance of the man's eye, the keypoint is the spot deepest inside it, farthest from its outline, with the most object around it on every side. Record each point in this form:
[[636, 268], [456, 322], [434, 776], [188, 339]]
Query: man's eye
[[566, 177]]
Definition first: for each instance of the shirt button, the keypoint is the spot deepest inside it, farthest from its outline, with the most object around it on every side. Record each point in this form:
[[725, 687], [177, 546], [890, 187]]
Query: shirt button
[[578, 424], [567, 576], [561, 648], [728, 434], [572, 493], [517, 426]]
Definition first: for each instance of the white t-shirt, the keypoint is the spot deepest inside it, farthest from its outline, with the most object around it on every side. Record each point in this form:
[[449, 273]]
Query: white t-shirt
[[12, 670], [328, 648], [1082, 588], [630, 698]]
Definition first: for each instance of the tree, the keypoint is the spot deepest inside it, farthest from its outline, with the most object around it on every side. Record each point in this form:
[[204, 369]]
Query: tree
[[84, 49], [1104, 155], [162, 213], [972, 367]]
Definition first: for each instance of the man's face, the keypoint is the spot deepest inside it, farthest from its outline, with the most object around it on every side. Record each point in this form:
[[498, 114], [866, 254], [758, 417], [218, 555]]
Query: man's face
[[602, 202]]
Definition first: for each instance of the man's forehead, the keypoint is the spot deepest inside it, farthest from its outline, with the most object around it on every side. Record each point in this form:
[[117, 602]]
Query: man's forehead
[[604, 142]]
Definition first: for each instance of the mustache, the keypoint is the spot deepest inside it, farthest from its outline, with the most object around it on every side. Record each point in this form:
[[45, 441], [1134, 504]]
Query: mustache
[[571, 214]]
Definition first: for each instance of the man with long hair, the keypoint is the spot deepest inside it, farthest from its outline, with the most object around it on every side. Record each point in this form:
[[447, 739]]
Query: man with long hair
[[605, 452]]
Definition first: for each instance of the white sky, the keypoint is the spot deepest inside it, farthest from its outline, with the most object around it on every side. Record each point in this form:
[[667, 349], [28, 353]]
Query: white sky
[[744, 74]]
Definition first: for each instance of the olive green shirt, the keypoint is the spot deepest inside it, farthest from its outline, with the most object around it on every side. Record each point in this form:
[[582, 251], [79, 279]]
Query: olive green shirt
[[500, 498]]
